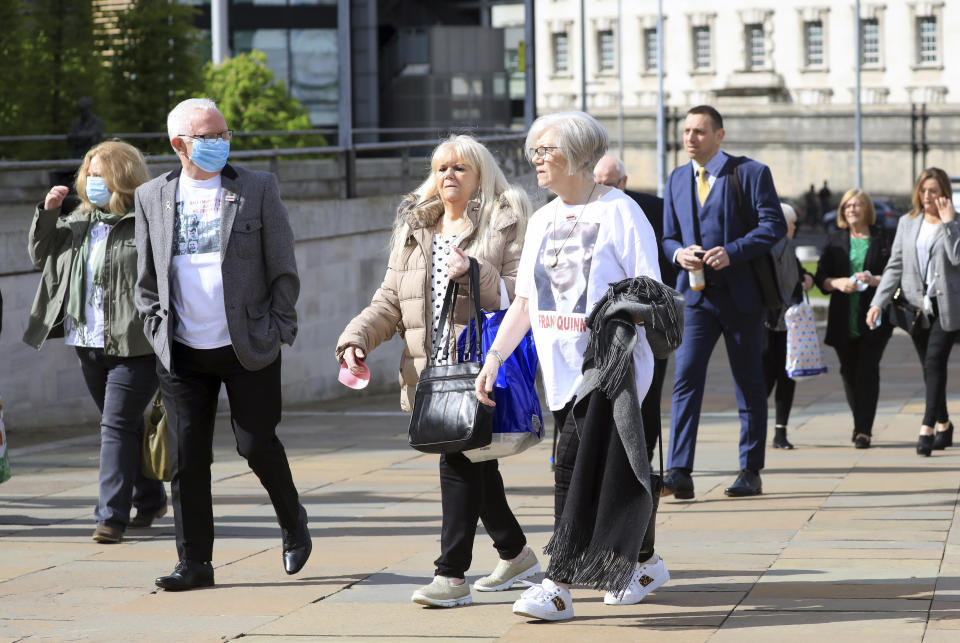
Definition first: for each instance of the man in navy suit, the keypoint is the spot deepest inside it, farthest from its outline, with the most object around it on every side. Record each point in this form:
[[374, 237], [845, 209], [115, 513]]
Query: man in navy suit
[[702, 230]]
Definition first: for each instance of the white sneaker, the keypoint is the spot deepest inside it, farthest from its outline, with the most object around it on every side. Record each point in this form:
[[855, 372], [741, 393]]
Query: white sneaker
[[442, 593], [646, 578], [507, 573], [547, 601]]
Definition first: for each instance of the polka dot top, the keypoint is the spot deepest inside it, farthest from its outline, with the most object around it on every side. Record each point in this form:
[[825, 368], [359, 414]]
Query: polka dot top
[[439, 279]]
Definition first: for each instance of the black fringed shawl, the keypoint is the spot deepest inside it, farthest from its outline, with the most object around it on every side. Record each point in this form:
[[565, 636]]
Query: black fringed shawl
[[597, 539]]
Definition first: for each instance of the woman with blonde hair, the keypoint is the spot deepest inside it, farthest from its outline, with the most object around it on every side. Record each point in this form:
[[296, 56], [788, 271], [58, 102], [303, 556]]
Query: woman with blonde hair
[[464, 208], [849, 271], [925, 266], [85, 247]]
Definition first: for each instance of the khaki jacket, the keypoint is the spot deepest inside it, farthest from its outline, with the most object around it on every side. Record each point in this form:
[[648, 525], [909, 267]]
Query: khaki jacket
[[402, 302], [53, 243]]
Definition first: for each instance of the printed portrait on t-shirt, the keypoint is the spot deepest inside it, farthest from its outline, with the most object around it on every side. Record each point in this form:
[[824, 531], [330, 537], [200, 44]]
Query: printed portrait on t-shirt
[[563, 287], [196, 227]]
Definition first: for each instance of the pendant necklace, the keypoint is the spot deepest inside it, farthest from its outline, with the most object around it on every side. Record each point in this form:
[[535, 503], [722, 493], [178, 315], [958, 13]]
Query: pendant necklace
[[556, 251]]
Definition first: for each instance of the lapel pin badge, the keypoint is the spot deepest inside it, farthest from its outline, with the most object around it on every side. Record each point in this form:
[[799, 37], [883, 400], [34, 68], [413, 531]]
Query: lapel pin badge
[[230, 196], [167, 206]]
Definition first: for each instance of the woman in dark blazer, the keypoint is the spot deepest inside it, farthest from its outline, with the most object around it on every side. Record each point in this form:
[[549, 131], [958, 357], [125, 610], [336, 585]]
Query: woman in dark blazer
[[849, 270]]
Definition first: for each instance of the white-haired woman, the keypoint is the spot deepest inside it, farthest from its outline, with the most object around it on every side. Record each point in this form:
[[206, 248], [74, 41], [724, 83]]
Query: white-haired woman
[[85, 248], [600, 236], [465, 207], [796, 278]]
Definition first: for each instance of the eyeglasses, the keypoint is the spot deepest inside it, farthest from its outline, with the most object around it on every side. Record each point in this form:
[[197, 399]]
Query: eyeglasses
[[225, 135], [541, 151]]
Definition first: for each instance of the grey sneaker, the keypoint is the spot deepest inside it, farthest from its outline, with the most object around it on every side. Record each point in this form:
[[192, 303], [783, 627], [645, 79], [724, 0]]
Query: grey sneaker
[[507, 573], [442, 593]]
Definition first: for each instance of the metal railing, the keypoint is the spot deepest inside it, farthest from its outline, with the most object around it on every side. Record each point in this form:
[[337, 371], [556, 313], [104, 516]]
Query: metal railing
[[346, 157]]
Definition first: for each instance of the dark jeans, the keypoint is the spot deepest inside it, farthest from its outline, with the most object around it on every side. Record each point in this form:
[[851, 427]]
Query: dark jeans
[[567, 446], [775, 374], [468, 491], [860, 372], [190, 395], [933, 347], [121, 387]]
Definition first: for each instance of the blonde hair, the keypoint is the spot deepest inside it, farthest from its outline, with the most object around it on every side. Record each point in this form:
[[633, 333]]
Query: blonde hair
[[122, 167], [866, 202], [942, 180], [424, 208]]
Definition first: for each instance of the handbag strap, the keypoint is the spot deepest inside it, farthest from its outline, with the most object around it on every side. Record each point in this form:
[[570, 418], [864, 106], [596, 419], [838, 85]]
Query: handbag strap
[[446, 315]]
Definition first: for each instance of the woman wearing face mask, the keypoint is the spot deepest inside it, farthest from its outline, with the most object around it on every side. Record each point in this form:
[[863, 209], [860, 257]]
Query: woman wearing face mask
[[86, 250]]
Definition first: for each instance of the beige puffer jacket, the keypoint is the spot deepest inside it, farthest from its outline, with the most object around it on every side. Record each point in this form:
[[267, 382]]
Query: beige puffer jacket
[[402, 303]]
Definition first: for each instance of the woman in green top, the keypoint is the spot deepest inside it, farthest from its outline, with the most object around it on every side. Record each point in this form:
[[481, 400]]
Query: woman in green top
[[849, 271], [86, 249]]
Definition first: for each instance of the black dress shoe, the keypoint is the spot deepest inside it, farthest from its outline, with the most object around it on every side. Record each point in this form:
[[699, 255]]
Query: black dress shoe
[[747, 484], [679, 484], [943, 439], [862, 441], [188, 574], [924, 444], [297, 545]]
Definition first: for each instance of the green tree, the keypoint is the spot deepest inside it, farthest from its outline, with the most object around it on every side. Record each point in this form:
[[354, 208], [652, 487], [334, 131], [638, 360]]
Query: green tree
[[13, 71], [154, 55], [251, 99]]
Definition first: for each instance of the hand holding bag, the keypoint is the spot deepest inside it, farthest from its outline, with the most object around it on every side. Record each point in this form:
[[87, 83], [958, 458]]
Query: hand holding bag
[[517, 417], [804, 352], [904, 314], [155, 450], [447, 416]]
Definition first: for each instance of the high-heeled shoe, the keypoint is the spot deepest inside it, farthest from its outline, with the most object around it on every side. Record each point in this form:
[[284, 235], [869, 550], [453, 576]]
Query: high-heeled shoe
[[924, 444], [943, 439], [780, 438]]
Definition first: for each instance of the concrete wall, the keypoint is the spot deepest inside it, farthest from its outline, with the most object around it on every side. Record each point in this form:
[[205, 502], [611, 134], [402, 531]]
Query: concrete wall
[[341, 249]]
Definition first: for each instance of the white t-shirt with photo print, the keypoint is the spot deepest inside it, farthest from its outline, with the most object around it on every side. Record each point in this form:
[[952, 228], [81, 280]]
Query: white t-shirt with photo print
[[592, 247], [196, 292]]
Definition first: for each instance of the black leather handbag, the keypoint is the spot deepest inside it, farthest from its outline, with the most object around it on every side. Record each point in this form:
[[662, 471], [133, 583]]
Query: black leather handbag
[[447, 416], [904, 314]]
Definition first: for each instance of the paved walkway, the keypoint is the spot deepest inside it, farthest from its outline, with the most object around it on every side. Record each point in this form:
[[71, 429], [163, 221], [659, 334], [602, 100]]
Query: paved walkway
[[845, 545]]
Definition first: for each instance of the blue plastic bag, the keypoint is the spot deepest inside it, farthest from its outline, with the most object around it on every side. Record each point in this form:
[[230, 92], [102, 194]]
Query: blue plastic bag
[[517, 418]]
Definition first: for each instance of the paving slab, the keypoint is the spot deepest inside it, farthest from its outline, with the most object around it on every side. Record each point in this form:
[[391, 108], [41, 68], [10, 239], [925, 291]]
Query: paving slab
[[844, 545]]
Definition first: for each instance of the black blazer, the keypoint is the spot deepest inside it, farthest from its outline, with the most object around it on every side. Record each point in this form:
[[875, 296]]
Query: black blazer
[[835, 262], [652, 206]]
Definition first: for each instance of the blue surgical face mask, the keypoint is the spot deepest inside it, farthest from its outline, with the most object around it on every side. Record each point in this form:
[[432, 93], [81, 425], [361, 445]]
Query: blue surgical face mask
[[97, 191], [210, 156]]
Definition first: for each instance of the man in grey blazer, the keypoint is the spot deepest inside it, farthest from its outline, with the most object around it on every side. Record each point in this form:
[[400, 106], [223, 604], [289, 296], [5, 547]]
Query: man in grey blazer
[[216, 288]]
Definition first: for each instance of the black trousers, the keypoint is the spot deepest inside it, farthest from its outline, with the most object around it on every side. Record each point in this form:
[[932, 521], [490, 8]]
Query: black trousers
[[567, 446], [775, 374], [933, 346], [470, 491], [190, 395], [650, 408], [860, 372]]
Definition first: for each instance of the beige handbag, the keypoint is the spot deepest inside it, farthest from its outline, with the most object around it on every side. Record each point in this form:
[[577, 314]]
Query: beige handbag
[[155, 455]]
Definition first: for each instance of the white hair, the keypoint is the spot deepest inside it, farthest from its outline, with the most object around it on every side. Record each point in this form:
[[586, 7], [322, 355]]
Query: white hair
[[581, 139], [789, 214], [178, 120]]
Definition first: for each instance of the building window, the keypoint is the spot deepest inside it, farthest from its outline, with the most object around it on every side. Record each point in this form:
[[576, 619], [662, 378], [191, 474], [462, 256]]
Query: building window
[[756, 50], [927, 39], [701, 47], [561, 53], [650, 49], [608, 52], [870, 41], [813, 43]]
